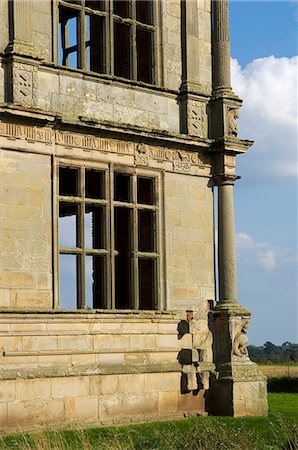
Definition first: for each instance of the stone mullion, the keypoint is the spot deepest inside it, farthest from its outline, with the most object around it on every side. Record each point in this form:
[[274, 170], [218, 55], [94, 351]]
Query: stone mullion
[[81, 275], [135, 244], [133, 44], [112, 233]]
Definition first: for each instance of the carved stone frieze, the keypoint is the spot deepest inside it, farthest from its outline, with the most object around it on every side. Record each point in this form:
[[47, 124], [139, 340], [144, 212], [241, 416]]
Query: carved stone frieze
[[181, 160]]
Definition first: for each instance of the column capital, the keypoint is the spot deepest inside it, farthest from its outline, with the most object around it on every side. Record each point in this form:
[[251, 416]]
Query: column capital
[[225, 179]]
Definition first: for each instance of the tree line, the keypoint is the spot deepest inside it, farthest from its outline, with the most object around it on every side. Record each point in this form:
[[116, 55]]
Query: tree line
[[270, 353]]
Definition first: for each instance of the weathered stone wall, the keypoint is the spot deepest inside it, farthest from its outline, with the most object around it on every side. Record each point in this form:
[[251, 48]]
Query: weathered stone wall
[[25, 235], [72, 94], [75, 95], [98, 367]]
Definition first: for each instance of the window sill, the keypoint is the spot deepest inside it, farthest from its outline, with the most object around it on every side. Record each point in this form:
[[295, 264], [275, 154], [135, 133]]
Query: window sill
[[106, 78]]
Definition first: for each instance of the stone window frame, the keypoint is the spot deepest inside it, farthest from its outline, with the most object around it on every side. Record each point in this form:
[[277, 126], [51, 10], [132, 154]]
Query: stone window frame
[[157, 67], [109, 169]]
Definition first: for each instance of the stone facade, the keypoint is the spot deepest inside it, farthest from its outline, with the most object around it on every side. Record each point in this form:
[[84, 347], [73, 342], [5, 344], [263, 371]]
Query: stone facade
[[120, 360]]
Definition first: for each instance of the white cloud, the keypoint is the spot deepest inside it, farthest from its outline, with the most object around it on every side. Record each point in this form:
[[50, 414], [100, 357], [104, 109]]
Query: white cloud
[[243, 241], [268, 87], [267, 260], [263, 254]]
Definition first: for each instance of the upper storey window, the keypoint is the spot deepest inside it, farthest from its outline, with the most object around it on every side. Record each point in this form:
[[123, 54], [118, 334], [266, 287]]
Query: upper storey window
[[113, 37]]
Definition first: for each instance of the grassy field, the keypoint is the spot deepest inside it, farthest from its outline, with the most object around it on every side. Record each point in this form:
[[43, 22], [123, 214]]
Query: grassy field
[[277, 432]]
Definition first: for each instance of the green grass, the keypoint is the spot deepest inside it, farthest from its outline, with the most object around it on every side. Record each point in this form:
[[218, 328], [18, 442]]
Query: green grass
[[278, 431]]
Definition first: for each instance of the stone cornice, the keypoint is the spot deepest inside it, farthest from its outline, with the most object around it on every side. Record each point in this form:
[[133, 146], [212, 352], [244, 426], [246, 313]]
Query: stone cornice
[[29, 117], [230, 145]]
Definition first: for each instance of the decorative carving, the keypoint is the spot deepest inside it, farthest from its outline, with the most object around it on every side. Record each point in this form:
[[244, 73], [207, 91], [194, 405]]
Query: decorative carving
[[191, 374], [233, 115], [141, 156], [241, 340], [197, 119], [202, 340], [182, 161]]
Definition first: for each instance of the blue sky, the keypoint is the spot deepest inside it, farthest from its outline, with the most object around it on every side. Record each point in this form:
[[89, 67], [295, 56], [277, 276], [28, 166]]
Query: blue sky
[[264, 74]]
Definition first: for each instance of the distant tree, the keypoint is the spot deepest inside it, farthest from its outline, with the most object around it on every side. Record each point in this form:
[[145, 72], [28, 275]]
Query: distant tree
[[271, 349]]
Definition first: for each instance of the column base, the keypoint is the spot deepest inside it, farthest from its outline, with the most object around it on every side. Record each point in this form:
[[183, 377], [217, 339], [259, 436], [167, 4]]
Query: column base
[[240, 389]]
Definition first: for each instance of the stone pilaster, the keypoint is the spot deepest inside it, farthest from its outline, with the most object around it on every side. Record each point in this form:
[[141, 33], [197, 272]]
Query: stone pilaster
[[20, 24], [194, 93], [20, 58]]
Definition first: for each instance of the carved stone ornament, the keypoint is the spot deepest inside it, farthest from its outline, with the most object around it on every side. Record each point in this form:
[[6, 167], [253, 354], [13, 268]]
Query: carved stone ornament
[[202, 341], [183, 162], [197, 119], [241, 340], [141, 156], [233, 115], [191, 374]]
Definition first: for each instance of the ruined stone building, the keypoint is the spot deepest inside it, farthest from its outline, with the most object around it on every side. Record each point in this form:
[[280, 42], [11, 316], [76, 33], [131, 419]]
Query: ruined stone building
[[117, 126]]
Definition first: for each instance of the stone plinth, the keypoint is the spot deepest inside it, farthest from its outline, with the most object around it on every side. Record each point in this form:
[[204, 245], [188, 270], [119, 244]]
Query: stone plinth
[[239, 387]]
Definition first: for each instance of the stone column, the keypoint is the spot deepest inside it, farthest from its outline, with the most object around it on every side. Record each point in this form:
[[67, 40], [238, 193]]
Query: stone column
[[224, 102], [239, 388], [226, 240], [221, 45]]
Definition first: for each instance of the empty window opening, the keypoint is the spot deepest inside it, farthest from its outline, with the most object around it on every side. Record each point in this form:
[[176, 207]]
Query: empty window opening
[[144, 56], [115, 38], [122, 187], [122, 50], [95, 44], [123, 258], [108, 246], [68, 38], [147, 283]]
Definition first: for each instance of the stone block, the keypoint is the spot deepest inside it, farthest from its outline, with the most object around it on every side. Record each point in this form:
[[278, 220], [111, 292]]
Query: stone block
[[11, 344], [167, 402], [138, 404], [131, 383], [114, 342], [110, 406], [81, 408], [7, 392], [162, 382], [141, 342], [35, 389], [109, 384], [31, 299], [191, 401], [40, 343], [37, 412], [62, 387], [75, 343], [4, 298]]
